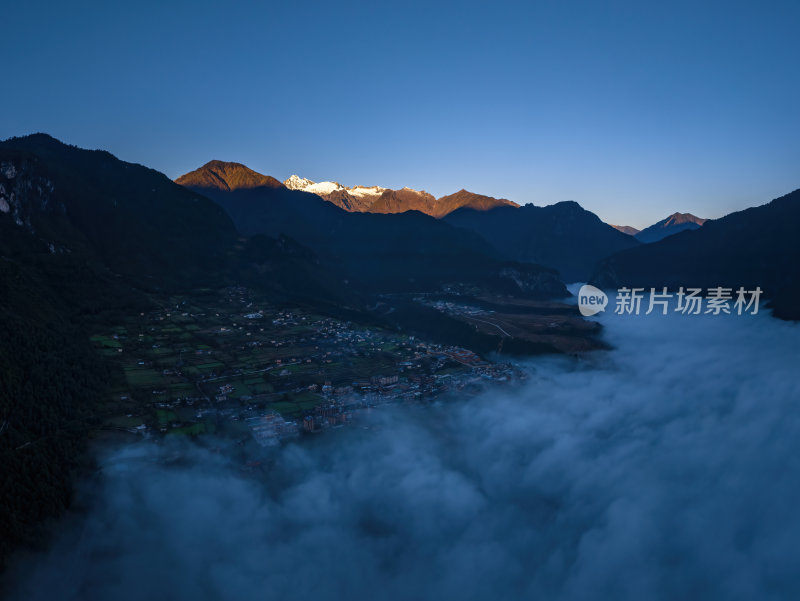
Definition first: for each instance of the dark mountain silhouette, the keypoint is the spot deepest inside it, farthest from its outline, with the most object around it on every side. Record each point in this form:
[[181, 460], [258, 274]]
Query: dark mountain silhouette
[[677, 222], [123, 219], [626, 229], [119, 217], [85, 235], [755, 247], [564, 235], [379, 252], [52, 384]]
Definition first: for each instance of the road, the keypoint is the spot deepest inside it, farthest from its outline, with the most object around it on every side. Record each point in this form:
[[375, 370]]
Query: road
[[489, 322]]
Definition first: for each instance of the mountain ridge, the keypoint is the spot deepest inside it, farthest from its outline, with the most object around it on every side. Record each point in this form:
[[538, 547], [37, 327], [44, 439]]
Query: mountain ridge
[[748, 248], [231, 176], [528, 234], [84, 237], [625, 229], [378, 199], [670, 225], [564, 235], [383, 252]]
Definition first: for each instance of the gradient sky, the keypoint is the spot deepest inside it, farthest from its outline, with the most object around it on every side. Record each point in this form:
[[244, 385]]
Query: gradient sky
[[634, 109]]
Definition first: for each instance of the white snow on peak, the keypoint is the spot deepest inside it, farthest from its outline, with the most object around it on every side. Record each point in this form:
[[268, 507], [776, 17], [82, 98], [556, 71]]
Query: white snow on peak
[[295, 182], [324, 187], [361, 191]]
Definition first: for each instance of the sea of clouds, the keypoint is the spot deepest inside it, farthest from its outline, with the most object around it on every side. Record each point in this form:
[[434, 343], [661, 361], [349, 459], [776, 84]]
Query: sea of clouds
[[667, 468]]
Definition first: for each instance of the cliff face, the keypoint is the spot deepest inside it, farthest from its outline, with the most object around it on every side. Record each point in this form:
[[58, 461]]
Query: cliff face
[[25, 191]]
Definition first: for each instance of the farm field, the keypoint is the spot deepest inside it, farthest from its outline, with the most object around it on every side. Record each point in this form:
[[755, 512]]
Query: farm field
[[197, 363]]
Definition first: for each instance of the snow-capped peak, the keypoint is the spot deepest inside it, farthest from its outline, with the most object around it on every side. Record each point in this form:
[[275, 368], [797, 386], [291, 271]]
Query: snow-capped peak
[[361, 191], [295, 182], [323, 187]]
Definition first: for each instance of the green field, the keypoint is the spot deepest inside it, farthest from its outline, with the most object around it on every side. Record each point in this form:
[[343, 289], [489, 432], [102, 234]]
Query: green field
[[140, 377], [215, 339], [105, 341], [165, 416], [194, 429]]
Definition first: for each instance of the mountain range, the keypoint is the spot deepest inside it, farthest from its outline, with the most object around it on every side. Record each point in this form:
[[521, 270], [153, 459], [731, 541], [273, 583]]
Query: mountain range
[[376, 199], [85, 237], [122, 222], [380, 253], [554, 227], [564, 235], [357, 198], [755, 247], [122, 225]]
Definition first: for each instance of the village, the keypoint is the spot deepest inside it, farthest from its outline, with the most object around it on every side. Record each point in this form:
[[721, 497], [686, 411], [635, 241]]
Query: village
[[231, 364]]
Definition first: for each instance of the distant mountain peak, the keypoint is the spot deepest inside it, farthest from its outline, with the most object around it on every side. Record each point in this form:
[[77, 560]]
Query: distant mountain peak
[[38, 137], [625, 229], [360, 191], [563, 235], [675, 223], [756, 247], [227, 176], [355, 199], [677, 218], [569, 204], [295, 182], [464, 199]]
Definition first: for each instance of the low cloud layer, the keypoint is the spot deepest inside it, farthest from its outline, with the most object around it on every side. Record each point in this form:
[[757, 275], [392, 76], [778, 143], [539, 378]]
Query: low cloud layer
[[667, 468]]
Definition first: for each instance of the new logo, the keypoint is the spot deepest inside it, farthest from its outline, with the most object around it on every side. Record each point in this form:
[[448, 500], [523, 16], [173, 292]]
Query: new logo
[[591, 300]]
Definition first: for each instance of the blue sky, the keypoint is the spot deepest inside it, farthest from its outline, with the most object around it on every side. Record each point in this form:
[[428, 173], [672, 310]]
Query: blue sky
[[633, 109]]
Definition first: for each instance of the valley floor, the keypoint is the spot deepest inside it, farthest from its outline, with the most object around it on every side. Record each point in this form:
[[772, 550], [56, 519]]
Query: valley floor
[[230, 363]]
